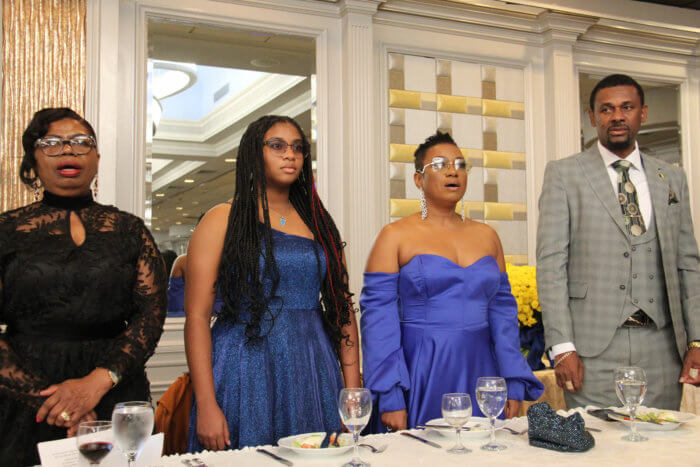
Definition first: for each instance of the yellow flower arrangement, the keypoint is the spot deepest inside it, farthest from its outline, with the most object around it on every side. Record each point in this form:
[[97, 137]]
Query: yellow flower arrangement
[[523, 283]]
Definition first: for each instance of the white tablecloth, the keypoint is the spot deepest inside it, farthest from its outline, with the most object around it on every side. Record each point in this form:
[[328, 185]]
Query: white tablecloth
[[666, 448]]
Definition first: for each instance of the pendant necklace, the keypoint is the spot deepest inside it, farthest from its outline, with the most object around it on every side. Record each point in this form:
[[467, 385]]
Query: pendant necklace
[[283, 218]]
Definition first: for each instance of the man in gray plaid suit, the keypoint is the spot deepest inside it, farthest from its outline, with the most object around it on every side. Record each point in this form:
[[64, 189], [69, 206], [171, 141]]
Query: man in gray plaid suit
[[617, 261]]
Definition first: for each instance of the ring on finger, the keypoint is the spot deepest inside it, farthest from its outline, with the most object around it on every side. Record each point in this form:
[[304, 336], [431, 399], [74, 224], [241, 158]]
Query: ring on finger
[[64, 415], [569, 385]]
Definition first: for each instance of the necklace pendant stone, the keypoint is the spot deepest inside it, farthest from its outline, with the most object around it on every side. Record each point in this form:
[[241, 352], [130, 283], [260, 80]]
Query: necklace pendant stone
[[283, 221]]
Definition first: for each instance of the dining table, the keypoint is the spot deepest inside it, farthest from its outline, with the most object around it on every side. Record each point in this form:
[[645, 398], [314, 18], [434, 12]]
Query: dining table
[[680, 446]]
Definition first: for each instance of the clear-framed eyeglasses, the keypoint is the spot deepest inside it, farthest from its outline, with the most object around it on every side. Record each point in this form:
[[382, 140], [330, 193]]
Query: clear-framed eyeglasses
[[440, 164], [53, 146], [279, 147]]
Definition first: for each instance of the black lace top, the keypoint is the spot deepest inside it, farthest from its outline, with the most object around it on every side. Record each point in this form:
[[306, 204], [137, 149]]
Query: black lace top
[[71, 308]]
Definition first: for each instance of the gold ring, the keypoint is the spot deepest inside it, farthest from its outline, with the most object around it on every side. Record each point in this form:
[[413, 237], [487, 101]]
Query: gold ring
[[569, 385], [65, 416]]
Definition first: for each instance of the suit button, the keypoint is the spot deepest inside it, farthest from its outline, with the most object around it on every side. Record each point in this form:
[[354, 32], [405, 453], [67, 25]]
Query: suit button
[[636, 301], [651, 276], [634, 248], [651, 300], [622, 287], [634, 276], [625, 254]]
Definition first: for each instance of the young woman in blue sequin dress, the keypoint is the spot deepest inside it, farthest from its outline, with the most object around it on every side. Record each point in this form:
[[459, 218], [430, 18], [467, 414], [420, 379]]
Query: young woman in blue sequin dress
[[271, 365]]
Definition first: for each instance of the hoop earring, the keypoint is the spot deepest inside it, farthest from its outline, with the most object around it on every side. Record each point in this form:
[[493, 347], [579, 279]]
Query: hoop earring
[[423, 206], [94, 188]]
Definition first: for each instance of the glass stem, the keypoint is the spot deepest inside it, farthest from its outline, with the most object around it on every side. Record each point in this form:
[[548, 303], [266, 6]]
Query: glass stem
[[459, 437], [492, 421], [633, 420], [356, 440]]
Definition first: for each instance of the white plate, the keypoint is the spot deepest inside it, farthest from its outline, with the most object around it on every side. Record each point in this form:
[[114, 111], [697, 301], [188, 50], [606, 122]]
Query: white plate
[[480, 428], [680, 417], [288, 443]]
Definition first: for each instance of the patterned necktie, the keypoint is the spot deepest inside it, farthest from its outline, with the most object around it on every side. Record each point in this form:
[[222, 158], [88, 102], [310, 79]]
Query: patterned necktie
[[627, 196]]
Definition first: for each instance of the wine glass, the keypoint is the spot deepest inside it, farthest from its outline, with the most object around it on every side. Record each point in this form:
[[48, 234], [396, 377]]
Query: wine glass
[[355, 407], [94, 440], [631, 386], [456, 410], [133, 424], [491, 393]]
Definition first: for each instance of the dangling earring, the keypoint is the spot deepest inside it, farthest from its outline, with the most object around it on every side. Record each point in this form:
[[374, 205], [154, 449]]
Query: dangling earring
[[463, 215], [94, 189], [423, 206], [35, 186]]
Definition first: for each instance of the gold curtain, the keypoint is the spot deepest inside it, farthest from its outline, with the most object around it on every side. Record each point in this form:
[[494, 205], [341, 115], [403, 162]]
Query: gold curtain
[[43, 65]]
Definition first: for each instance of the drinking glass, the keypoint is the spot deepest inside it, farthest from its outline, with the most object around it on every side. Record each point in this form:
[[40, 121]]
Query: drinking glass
[[456, 411], [491, 393], [355, 407], [94, 440], [133, 424], [631, 386]]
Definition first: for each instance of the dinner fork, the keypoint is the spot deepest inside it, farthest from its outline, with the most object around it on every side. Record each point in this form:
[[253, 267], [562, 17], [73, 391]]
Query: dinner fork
[[374, 450], [515, 432]]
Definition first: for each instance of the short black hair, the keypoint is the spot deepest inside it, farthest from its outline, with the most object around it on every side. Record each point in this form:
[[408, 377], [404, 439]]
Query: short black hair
[[37, 128], [611, 81], [432, 140]]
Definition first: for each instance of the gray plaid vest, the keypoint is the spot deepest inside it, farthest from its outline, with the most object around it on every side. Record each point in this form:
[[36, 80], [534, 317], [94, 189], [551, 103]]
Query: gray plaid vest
[[646, 284]]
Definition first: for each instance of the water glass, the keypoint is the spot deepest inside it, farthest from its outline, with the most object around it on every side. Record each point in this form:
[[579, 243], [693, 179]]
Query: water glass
[[456, 411], [133, 425], [355, 407], [94, 440], [631, 386], [491, 394]]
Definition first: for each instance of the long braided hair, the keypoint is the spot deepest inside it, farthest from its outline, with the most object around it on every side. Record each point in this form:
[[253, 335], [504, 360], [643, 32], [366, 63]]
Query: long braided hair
[[240, 278]]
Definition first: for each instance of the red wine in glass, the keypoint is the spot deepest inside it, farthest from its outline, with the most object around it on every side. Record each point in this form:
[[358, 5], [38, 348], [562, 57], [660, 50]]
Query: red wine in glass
[[95, 452]]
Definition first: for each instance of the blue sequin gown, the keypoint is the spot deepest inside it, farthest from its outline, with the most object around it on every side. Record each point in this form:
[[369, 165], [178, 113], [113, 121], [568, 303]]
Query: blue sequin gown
[[289, 382], [436, 327]]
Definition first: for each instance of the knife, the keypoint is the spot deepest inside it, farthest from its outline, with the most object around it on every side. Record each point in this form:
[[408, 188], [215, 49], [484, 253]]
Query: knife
[[326, 440], [422, 440], [275, 457], [464, 428], [602, 414]]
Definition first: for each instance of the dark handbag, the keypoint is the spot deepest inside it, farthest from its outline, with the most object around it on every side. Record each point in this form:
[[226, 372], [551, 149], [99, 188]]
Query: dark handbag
[[548, 430]]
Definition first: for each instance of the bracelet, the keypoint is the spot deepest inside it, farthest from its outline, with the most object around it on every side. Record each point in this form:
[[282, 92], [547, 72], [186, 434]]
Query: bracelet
[[693, 345], [564, 356]]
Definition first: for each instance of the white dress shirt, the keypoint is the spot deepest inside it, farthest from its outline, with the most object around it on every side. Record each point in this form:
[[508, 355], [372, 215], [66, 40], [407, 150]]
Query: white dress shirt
[[639, 178]]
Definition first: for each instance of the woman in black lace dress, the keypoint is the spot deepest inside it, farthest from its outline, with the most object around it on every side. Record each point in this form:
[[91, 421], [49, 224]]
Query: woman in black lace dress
[[83, 295]]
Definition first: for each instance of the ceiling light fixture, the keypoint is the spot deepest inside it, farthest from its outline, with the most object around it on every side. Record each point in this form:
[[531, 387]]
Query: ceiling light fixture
[[179, 208], [160, 195], [188, 180]]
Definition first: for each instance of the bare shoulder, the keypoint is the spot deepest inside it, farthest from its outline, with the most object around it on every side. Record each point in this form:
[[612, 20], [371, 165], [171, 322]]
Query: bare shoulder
[[385, 253]]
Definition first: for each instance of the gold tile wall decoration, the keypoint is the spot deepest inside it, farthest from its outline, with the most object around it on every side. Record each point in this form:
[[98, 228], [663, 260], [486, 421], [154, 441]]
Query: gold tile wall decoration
[[482, 107], [43, 61]]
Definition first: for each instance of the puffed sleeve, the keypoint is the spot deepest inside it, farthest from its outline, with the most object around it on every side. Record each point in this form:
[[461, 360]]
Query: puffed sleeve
[[503, 322], [136, 344], [384, 367]]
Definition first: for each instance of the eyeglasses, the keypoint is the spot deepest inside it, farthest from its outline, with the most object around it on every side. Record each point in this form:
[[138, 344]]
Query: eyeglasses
[[52, 146], [279, 147], [440, 164]]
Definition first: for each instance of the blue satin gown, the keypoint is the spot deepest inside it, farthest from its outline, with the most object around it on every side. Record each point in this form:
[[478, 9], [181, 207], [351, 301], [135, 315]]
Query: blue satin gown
[[434, 328], [290, 381]]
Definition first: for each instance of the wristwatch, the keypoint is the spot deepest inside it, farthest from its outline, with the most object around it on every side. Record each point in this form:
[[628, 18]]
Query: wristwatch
[[114, 376]]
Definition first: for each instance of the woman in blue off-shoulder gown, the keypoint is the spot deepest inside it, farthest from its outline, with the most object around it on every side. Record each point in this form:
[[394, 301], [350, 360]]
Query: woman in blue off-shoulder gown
[[437, 310], [285, 341]]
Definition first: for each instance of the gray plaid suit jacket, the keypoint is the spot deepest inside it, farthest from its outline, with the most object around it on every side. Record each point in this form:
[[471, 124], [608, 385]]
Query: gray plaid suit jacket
[[581, 240]]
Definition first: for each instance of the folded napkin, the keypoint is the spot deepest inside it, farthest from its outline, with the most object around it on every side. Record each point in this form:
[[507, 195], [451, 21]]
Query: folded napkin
[[548, 430]]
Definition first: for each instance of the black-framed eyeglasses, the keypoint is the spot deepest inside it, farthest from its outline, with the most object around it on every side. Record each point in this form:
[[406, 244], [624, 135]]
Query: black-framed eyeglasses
[[440, 164], [279, 147], [52, 146]]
